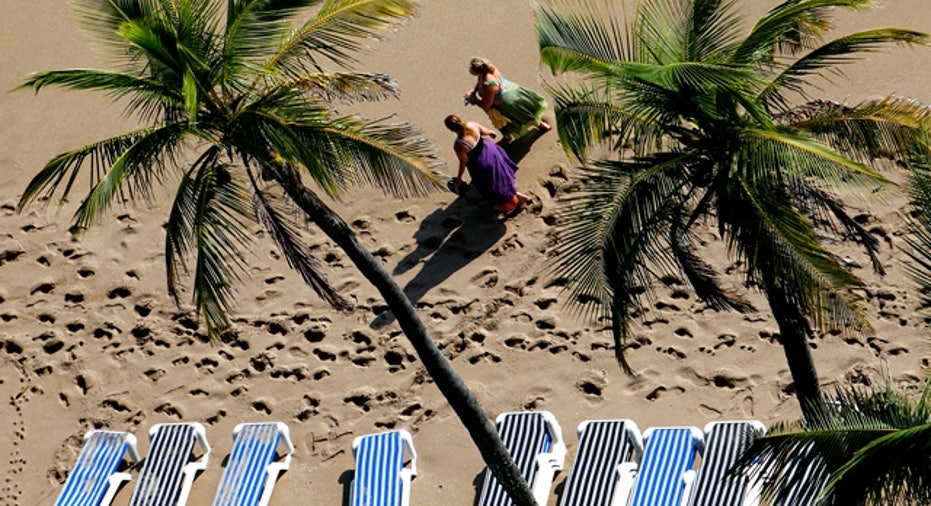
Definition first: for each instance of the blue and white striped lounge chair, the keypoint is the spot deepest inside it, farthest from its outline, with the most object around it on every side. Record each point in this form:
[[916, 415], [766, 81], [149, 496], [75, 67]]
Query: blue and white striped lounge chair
[[603, 471], [96, 476], [170, 465], [254, 464], [725, 442], [534, 440], [381, 476], [665, 474], [804, 481]]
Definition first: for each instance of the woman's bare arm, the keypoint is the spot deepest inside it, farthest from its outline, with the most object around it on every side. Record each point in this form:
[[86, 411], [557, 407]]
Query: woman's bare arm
[[463, 157]]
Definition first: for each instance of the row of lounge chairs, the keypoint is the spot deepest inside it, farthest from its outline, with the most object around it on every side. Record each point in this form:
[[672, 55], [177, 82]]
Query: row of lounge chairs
[[614, 465]]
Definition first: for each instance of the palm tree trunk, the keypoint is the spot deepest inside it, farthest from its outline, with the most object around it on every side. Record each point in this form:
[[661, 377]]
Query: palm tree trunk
[[795, 332], [449, 382]]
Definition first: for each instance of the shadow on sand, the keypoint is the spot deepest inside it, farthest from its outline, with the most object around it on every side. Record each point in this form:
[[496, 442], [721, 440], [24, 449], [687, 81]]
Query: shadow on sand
[[451, 238], [448, 239]]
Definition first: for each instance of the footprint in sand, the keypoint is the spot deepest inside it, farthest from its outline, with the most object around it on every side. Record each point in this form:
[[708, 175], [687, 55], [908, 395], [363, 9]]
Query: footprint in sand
[[11, 493]]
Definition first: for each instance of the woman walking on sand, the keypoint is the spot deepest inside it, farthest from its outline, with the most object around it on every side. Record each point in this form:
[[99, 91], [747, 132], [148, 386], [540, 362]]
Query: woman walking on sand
[[511, 108], [493, 173]]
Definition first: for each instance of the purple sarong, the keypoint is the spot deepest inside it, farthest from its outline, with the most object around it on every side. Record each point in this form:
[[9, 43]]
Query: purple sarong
[[493, 172]]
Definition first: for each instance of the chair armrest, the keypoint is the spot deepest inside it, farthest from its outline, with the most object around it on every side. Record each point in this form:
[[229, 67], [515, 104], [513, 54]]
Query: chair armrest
[[626, 473]]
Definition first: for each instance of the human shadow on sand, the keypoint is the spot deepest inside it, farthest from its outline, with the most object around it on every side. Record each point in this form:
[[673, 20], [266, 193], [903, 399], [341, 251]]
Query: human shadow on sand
[[519, 147], [448, 239]]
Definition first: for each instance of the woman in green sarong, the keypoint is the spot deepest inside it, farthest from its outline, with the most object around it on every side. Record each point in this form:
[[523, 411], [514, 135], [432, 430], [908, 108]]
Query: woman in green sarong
[[511, 108]]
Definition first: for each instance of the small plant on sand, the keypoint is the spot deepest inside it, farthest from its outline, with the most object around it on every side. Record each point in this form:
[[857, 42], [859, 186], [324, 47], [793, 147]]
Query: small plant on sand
[[236, 110], [702, 123]]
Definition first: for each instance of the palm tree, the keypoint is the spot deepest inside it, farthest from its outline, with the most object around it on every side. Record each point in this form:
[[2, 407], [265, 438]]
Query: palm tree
[[867, 446], [699, 119], [237, 111]]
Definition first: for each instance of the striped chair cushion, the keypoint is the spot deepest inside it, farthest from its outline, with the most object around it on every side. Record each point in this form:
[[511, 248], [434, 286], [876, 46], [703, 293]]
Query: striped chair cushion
[[725, 442], [101, 457], [525, 436], [379, 461], [803, 482], [603, 446], [243, 480], [668, 454], [160, 479]]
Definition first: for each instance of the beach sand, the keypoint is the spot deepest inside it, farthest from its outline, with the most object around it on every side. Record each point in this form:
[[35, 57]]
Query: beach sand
[[89, 338]]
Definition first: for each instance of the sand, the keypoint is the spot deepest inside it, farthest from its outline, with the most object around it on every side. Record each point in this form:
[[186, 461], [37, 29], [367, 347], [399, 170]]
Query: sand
[[88, 337]]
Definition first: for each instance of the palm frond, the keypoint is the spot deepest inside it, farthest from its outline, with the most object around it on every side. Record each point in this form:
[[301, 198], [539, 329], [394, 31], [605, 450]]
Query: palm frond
[[713, 30], [859, 447], [783, 241], [133, 172], [284, 232], [829, 57], [347, 151], [613, 234], [701, 275], [792, 26], [209, 222], [918, 239], [256, 28], [102, 21], [802, 161], [869, 132], [65, 168], [575, 36], [115, 84], [330, 87], [336, 33], [589, 116]]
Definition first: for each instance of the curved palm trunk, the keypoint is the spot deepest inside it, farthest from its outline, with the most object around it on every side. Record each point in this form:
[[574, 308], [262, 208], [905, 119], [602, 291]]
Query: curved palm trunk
[[455, 391], [795, 332]]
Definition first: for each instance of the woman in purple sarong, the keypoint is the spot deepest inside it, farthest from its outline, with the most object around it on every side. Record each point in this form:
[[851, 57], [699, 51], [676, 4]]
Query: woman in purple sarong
[[493, 172]]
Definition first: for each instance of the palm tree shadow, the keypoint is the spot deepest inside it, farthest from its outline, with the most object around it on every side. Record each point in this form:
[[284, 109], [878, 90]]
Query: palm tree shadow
[[448, 239]]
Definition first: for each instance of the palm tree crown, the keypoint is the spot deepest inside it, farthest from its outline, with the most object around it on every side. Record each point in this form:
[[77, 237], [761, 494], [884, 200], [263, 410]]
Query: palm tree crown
[[235, 89], [700, 117]]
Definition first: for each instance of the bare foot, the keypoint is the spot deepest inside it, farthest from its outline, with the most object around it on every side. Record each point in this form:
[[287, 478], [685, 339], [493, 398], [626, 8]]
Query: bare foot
[[545, 127]]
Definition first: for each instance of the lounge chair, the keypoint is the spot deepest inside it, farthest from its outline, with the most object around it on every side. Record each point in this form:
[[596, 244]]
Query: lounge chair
[[170, 465], [254, 464], [603, 471], [725, 442], [534, 440], [96, 476], [381, 476], [665, 474], [803, 481]]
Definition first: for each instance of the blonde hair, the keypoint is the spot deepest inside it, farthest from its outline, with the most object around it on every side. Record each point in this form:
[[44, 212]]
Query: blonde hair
[[481, 66]]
